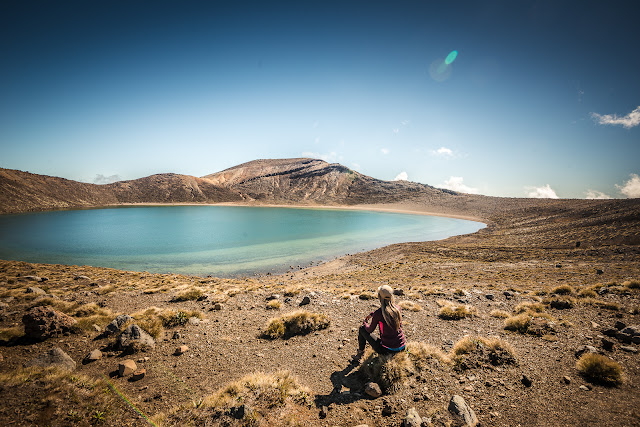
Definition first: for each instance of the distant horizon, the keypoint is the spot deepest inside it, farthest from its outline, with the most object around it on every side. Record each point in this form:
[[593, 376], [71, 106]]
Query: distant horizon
[[511, 99]]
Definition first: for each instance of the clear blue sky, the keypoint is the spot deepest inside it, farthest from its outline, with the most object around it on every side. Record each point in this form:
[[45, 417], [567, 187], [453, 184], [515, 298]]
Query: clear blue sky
[[541, 99]]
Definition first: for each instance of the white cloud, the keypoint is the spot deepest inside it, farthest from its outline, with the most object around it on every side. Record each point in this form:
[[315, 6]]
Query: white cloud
[[396, 130], [595, 194], [631, 188], [455, 183], [384, 151], [630, 120], [443, 152], [545, 192], [402, 176], [102, 179], [405, 122], [331, 157]]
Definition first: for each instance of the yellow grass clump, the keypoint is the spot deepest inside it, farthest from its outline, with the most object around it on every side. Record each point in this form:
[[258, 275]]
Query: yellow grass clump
[[472, 352], [190, 294], [12, 333], [599, 369], [606, 305], [274, 304], [529, 306], [500, 314], [562, 290], [410, 306], [299, 322], [451, 311], [631, 284], [389, 371]]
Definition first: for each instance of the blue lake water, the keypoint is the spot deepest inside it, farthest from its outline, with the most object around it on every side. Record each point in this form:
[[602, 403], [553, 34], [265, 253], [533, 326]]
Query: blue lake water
[[210, 240]]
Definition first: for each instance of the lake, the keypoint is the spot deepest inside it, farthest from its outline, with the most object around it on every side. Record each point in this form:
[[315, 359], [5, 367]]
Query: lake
[[211, 240]]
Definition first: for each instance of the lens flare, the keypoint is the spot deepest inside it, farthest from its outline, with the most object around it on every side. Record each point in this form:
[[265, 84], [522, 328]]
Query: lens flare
[[451, 57]]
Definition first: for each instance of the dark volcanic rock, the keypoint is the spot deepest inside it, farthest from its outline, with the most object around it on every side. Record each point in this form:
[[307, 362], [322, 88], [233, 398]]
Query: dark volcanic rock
[[43, 322]]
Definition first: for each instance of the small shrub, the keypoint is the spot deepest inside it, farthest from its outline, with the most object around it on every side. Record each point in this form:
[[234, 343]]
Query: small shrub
[[537, 324], [562, 290], [632, 284], [10, 334], [470, 352], [421, 354], [452, 311], [587, 293], [410, 306], [606, 305], [599, 369], [291, 291], [459, 292], [274, 304], [500, 314], [366, 295], [535, 307], [191, 294], [299, 322], [388, 370]]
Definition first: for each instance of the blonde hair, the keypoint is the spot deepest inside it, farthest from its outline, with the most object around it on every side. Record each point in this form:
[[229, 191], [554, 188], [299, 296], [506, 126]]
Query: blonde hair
[[390, 312]]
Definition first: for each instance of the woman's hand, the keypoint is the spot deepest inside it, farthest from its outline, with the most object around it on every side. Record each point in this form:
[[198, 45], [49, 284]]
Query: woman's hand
[[367, 320]]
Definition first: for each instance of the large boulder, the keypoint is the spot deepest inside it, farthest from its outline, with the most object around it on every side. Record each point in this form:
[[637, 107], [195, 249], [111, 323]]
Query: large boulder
[[41, 323], [116, 324], [53, 357], [459, 407], [134, 339]]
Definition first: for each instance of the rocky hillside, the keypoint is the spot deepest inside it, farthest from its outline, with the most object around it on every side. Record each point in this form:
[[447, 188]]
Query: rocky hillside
[[27, 192], [314, 181]]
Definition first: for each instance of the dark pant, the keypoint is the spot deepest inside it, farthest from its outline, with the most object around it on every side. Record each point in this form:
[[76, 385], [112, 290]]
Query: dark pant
[[365, 337]]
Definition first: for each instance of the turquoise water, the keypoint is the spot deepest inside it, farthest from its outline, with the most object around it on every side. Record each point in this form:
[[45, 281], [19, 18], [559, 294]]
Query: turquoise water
[[210, 240]]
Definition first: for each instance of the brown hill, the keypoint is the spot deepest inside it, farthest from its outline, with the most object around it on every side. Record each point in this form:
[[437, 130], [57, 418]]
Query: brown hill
[[314, 181], [27, 192]]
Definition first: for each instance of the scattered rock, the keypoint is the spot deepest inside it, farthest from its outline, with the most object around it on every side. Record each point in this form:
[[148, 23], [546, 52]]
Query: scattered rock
[[561, 304], [272, 297], [126, 367], [217, 306], [116, 324], [181, 350], [398, 292], [34, 290], [373, 390], [566, 379], [459, 407], [610, 332], [53, 357], [508, 294], [619, 325], [80, 278], [388, 408], [599, 271], [526, 381], [193, 320], [629, 349], [584, 387], [43, 322], [176, 335], [585, 349], [96, 328], [306, 300], [139, 374], [412, 419], [134, 339], [92, 357], [202, 298], [490, 297], [594, 325], [607, 344]]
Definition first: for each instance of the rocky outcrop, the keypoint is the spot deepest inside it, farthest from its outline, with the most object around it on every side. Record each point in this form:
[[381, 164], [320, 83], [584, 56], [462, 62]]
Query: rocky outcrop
[[43, 322], [53, 357], [134, 339]]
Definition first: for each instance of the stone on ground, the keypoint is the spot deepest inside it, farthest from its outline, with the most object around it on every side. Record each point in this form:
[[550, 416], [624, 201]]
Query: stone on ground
[[134, 339], [43, 322], [139, 374], [35, 290], [93, 356], [373, 389], [459, 407], [116, 324], [53, 357], [126, 367], [412, 419], [181, 350]]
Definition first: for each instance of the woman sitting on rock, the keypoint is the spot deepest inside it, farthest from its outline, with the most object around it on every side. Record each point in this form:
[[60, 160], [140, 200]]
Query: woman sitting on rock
[[389, 318]]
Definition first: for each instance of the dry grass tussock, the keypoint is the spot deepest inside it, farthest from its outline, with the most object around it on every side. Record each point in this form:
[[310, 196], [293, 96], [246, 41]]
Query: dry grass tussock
[[472, 352], [538, 324], [274, 304], [562, 290], [299, 322], [451, 311], [534, 307], [631, 284], [391, 371], [256, 399], [606, 305], [500, 314], [599, 369], [12, 333], [154, 320], [190, 294], [410, 306]]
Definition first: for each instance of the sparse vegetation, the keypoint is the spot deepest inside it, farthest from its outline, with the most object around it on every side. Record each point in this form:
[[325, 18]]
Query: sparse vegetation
[[388, 370], [451, 311], [500, 314], [534, 307], [12, 333], [631, 284], [190, 294], [599, 369], [410, 306], [606, 305], [472, 352], [274, 304], [299, 322], [562, 290]]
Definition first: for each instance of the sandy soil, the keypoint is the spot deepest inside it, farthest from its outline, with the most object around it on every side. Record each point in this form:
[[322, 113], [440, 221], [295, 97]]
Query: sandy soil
[[527, 253]]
